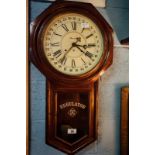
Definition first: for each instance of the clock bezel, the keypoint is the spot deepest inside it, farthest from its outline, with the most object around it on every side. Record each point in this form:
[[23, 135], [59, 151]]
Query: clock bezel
[[42, 34], [36, 45]]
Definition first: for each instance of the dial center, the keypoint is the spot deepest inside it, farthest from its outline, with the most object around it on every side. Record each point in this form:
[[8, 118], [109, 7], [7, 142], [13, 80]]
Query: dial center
[[69, 40]]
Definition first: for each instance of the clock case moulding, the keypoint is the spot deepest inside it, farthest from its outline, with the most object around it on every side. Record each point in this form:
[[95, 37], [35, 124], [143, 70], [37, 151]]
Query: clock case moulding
[[58, 83]]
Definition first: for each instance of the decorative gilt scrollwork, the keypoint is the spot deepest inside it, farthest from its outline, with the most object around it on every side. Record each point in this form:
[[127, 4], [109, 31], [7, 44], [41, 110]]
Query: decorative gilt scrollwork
[[72, 112]]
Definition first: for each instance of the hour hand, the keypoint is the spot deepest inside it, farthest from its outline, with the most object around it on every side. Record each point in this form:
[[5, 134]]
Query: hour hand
[[75, 45], [85, 46]]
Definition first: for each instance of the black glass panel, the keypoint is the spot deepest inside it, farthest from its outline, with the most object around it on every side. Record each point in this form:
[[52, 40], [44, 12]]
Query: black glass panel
[[72, 116]]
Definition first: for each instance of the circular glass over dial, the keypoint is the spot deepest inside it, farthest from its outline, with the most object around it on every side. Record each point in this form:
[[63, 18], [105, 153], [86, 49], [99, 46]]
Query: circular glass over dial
[[73, 44]]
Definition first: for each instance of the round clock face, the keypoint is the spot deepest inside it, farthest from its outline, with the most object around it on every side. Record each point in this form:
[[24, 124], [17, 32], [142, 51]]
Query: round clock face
[[72, 44]]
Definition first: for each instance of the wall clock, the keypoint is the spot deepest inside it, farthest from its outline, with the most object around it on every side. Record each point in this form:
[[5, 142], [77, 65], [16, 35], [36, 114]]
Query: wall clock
[[72, 45]]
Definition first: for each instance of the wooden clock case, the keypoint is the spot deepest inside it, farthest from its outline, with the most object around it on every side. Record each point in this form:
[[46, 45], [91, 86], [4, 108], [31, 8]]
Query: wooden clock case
[[65, 88]]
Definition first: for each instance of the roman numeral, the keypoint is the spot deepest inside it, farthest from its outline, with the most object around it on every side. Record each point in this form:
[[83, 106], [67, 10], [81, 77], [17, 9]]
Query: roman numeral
[[57, 53], [89, 36], [48, 54], [63, 60], [57, 34], [83, 61], [65, 27], [73, 63], [73, 25], [84, 29], [91, 45], [88, 54], [55, 44]]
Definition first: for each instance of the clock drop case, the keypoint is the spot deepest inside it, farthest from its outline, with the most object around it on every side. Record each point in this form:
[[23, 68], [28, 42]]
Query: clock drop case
[[72, 45]]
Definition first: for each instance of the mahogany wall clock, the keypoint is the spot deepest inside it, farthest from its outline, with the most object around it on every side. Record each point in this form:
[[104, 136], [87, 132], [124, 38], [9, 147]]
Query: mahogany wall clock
[[72, 45]]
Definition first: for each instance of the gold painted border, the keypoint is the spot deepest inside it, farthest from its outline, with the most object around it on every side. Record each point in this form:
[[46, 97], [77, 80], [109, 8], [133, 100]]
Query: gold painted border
[[124, 123]]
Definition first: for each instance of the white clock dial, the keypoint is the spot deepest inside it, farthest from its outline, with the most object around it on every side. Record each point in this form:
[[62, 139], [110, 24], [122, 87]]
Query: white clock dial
[[73, 44]]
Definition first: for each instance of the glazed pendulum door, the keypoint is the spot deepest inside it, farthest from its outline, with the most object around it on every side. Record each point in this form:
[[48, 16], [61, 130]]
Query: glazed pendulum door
[[71, 121]]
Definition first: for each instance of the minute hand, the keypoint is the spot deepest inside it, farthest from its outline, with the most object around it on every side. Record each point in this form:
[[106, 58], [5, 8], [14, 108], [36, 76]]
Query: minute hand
[[79, 48], [73, 45], [77, 45], [88, 54]]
